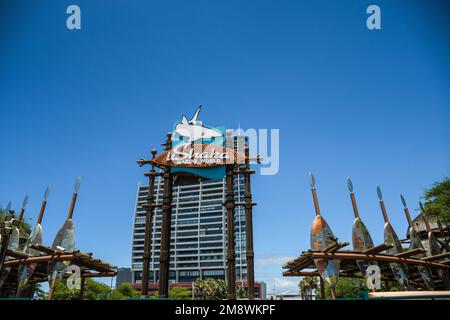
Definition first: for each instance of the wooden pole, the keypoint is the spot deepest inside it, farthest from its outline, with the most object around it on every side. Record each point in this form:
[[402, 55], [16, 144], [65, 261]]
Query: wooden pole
[[249, 228], [355, 207], [322, 288], [333, 292], [316, 201], [52, 290], [82, 284], [72, 206], [383, 210], [164, 255], [148, 229], [230, 204]]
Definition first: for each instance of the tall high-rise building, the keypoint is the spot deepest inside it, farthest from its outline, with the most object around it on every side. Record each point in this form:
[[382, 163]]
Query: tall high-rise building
[[199, 231]]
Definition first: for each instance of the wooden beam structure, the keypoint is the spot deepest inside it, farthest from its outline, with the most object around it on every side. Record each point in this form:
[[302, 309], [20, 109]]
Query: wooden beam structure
[[303, 265], [90, 267]]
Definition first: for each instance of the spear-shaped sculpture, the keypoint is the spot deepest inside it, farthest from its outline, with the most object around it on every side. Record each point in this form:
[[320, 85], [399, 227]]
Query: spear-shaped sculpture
[[25, 272], [417, 244], [64, 240], [361, 238], [433, 247], [322, 238], [391, 238], [14, 240]]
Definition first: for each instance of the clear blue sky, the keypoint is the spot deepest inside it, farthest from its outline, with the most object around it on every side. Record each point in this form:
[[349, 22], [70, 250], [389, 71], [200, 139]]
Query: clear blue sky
[[373, 105]]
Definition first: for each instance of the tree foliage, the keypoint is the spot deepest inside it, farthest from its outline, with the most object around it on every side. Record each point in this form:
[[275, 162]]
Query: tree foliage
[[94, 290], [210, 289], [180, 293], [437, 200], [307, 285], [347, 288]]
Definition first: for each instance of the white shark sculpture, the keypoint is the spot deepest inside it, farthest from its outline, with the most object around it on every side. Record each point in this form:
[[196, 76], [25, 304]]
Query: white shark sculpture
[[193, 130]]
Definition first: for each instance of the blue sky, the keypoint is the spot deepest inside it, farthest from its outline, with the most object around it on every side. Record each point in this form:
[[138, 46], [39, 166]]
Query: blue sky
[[372, 105]]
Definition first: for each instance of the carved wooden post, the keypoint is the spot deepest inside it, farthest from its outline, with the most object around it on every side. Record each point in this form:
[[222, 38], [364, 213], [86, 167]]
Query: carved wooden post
[[164, 255], [229, 203], [248, 203], [148, 228]]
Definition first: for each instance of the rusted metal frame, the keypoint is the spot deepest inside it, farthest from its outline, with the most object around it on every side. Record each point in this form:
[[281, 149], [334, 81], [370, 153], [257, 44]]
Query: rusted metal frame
[[410, 253], [99, 274], [303, 260], [73, 257], [16, 254], [376, 257], [335, 247], [50, 251], [91, 265], [437, 256], [341, 275], [164, 255], [377, 249], [148, 228], [317, 274], [111, 274], [39, 259], [94, 262], [230, 205]]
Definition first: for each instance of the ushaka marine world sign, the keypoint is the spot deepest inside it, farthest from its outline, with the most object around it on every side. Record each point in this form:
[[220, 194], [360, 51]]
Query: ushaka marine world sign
[[199, 149]]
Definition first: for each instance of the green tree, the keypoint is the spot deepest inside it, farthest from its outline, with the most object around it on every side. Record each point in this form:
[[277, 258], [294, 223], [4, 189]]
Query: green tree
[[437, 200], [180, 293], [93, 290], [126, 290], [210, 289], [347, 288], [307, 284], [241, 292]]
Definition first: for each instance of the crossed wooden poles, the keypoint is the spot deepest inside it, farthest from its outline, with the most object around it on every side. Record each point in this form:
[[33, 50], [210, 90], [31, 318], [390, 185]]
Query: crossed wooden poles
[[166, 206]]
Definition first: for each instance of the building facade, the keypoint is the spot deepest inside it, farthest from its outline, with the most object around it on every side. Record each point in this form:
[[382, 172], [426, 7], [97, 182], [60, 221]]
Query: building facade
[[123, 276], [199, 231]]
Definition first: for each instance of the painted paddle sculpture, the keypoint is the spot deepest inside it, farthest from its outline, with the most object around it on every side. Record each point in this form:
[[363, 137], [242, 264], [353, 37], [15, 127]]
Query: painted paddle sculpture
[[433, 247], [25, 272], [417, 244], [361, 238], [14, 240], [322, 238], [391, 238], [64, 240]]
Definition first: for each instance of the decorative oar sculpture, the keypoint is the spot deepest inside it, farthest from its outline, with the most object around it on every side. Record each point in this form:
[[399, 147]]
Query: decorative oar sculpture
[[322, 238], [64, 240], [433, 247], [417, 244], [25, 272], [391, 238], [361, 238], [14, 240]]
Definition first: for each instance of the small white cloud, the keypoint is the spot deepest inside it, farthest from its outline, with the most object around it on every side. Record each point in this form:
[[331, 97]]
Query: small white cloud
[[285, 283], [273, 260]]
